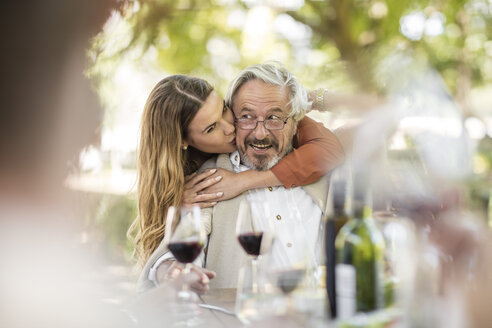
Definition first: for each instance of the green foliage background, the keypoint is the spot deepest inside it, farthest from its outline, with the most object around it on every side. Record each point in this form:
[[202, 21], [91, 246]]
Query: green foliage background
[[353, 35], [348, 40]]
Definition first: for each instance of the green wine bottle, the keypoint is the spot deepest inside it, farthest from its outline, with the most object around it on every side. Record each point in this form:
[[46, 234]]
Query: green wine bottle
[[336, 218], [359, 257]]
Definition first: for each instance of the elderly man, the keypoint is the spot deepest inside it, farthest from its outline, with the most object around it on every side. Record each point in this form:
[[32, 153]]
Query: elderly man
[[268, 103]]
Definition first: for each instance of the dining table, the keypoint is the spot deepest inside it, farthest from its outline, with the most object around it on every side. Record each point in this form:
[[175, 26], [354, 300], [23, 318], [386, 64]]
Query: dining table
[[225, 299], [218, 305], [215, 308]]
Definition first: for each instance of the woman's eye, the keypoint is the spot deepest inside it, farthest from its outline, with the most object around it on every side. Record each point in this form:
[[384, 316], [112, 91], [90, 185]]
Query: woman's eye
[[211, 128], [273, 117], [247, 116]]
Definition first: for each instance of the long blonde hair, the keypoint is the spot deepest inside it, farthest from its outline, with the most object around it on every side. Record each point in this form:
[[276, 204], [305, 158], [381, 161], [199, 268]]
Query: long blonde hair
[[162, 161]]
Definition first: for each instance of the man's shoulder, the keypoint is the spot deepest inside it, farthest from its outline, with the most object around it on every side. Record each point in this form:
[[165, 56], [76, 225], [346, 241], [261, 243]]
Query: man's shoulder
[[208, 164], [221, 161], [319, 191]]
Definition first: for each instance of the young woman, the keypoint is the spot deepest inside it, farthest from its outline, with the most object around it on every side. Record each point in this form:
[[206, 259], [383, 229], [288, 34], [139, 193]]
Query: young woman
[[184, 123]]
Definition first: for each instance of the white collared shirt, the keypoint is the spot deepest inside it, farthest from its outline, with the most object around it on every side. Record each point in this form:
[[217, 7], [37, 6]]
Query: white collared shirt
[[295, 216], [296, 220]]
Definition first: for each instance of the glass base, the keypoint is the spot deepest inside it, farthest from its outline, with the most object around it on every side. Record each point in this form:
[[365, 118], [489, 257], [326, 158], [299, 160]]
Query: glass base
[[187, 296], [252, 307], [186, 314]]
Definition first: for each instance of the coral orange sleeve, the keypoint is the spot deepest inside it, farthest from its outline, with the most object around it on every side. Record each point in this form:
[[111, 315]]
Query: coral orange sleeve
[[318, 152]]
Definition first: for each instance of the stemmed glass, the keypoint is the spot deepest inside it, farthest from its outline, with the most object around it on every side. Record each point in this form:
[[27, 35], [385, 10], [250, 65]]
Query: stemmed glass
[[186, 243], [296, 270], [287, 274], [255, 234]]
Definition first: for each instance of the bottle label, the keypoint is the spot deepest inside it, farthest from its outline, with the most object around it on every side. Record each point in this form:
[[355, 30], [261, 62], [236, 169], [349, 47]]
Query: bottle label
[[345, 278]]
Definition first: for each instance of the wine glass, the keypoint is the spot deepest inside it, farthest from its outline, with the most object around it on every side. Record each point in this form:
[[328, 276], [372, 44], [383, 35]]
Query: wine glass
[[289, 274], [295, 270], [255, 233], [186, 243], [285, 273]]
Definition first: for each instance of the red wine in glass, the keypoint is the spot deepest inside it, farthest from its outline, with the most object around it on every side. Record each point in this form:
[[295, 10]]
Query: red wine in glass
[[186, 242], [185, 251], [287, 280], [251, 242]]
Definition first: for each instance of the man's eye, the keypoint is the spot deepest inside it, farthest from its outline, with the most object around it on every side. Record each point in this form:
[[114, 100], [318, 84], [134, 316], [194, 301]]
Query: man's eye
[[211, 128], [274, 117], [247, 117]]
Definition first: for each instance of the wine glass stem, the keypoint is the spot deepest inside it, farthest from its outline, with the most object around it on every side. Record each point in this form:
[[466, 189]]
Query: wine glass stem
[[254, 273], [186, 271]]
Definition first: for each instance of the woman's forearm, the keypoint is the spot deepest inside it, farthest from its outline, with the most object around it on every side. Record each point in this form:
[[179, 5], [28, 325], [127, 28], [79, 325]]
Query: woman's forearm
[[324, 100], [253, 179]]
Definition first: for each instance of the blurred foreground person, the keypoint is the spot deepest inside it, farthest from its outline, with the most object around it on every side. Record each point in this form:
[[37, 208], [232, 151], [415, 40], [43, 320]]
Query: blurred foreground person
[[448, 274], [463, 270], [48, 114]]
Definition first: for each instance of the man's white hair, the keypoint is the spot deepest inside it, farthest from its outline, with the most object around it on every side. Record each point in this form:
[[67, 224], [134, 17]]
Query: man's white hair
[[272, 72]]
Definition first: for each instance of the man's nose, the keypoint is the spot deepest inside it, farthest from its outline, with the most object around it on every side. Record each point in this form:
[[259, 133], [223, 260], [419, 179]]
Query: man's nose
[[260, 132]]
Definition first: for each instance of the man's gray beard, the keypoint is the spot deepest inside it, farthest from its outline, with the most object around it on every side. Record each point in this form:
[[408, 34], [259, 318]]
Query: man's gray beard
[[247, 162]]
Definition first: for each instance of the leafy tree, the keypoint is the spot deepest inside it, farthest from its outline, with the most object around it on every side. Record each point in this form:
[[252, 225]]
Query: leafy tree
[[351, 37]]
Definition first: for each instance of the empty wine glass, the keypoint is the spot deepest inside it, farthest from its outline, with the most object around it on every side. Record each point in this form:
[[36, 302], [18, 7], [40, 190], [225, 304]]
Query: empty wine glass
[[185, 244], [289, 273], [286, 274], [295, 263]]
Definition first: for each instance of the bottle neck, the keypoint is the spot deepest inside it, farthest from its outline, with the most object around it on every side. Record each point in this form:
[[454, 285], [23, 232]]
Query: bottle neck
[[362, 210], [339, 211], [362, 200]]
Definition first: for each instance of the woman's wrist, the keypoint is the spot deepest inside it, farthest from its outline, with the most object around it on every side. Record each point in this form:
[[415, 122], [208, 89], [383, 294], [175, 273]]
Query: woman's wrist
[[317, 98], [253, 179]]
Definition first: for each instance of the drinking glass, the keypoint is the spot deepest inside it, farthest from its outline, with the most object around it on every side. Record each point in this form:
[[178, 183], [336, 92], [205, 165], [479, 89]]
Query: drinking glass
[[290, 274], [255, 233], [296, 269], [185, 244]]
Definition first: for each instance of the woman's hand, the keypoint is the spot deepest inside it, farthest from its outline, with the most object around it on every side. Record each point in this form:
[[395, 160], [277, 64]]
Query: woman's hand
[[198, 279], [195, 184], [231, 184]]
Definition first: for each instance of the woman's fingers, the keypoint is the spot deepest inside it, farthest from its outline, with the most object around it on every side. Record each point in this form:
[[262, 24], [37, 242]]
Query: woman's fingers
[[205, 200], [207, 197], [210, 274], [174, 270], [194, 178], [206, 183], [200, 285], [190, 198], [189, 177], [198, 279], [205, 204], [196, 184], [200, 205]]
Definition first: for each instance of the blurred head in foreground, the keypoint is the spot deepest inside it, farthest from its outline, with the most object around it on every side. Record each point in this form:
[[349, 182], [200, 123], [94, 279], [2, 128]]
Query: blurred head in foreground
[[49, 111], [48, 114]]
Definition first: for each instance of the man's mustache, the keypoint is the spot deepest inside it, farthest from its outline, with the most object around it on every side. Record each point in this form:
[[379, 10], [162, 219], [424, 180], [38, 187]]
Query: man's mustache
[[264, 142]]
